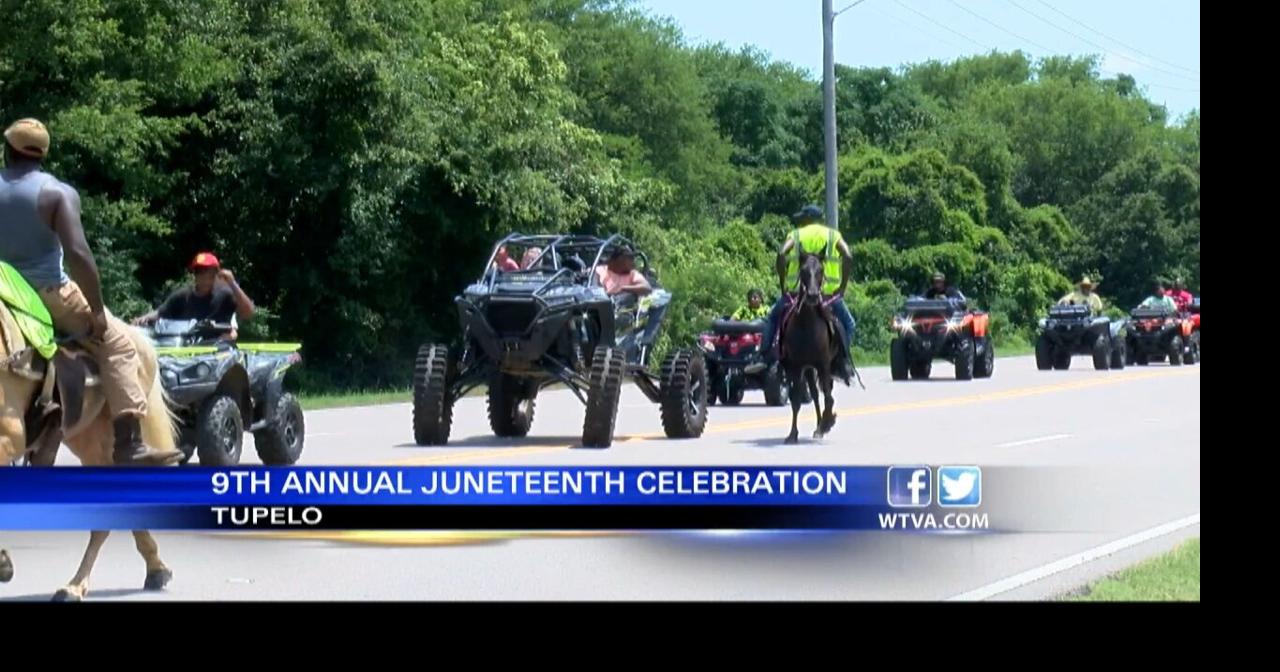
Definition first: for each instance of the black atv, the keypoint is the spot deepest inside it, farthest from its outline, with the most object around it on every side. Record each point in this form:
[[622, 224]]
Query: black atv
[[735, 363], [551, 323], [930, 329], [1157, 333], [1073, 330], [218, 389]]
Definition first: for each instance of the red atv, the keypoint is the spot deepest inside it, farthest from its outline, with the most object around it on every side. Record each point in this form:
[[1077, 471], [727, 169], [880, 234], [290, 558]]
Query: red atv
[[1157, 333], [735, 363]]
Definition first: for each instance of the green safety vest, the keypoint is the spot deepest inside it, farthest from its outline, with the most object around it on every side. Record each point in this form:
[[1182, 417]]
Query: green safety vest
[[28, 311], [821, 240]]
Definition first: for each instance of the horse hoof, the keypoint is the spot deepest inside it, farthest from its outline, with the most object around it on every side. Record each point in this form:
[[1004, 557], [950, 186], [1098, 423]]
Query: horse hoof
[[819, 434], [6, 567], [158, 579], [66, 595], [793, 439]]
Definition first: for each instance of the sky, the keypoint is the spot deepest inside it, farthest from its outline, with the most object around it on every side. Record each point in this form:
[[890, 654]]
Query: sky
[[1155, 41]]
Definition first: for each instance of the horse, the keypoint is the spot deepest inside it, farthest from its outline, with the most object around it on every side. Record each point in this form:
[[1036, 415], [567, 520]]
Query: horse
[[809, 346], [92, 442]]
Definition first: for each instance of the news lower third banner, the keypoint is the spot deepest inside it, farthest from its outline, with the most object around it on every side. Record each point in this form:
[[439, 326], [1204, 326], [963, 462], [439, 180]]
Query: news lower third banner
[[910, 497]]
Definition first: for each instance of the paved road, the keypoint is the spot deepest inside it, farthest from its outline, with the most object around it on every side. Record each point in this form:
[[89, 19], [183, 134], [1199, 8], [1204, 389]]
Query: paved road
[[1111, 466]]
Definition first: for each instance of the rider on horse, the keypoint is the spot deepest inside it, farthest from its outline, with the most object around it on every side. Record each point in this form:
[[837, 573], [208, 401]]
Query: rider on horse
[[813, 237], [40, 228]]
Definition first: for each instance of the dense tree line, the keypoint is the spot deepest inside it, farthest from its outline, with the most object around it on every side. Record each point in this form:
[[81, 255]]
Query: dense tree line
[[353, 161]]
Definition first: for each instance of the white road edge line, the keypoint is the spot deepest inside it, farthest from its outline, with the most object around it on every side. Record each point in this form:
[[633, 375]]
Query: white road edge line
[[1038, 439], [1032, 575]]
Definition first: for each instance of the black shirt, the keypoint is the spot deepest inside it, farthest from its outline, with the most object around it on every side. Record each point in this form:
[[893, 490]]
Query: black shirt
[[949, 293], [218, 306]]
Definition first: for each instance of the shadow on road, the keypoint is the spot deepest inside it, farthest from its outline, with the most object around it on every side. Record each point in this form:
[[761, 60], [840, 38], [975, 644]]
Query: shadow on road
[[491, 441], [108, 593], [780, 442]]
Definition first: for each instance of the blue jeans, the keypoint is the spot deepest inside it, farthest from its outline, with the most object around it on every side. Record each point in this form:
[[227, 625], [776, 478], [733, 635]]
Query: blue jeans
[[838, 308]]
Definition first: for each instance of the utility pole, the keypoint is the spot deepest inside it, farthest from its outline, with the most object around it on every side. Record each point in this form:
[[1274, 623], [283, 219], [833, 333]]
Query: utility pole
[[829, 111]]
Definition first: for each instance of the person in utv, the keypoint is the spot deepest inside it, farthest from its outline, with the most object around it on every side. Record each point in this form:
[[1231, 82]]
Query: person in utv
[[754, 310], [214, 295]]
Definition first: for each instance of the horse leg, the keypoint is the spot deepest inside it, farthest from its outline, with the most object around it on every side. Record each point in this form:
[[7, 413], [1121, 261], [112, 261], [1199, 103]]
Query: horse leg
[[817, 405], [828, 416], [158, 575], [796, 386], [12, 444], [78, 586]]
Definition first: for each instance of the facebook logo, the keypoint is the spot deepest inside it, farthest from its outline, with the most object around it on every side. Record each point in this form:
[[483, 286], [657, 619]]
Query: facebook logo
[[959, 486], [910, 486]]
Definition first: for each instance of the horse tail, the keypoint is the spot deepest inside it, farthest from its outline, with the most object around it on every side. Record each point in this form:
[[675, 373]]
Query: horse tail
[[160, 425]]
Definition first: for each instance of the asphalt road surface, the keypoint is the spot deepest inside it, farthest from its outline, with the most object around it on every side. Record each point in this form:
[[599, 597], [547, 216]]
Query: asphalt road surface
[[1112, 460]]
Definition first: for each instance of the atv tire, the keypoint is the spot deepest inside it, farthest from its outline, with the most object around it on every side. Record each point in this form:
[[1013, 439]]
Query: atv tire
[[280, 443], [684, 394], [920, 370], [1175, 350], [964, 358], [1101, 353], [219, 432], [1044, 353], [432, 407], [1119, 355], [898, 359], [605, 389], [775, 387], [985, 364]]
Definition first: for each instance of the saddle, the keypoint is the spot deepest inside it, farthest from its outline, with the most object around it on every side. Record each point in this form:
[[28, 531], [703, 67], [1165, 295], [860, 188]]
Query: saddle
[[63, 380]]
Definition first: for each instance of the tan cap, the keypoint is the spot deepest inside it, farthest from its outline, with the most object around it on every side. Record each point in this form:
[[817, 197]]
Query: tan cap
[[28, 137]]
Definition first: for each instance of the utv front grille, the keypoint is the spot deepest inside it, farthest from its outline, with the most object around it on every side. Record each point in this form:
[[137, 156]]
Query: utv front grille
[[511, 319]]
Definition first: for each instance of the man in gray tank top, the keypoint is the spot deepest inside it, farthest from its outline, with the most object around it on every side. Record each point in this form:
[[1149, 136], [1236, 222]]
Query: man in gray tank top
[[40, 229]]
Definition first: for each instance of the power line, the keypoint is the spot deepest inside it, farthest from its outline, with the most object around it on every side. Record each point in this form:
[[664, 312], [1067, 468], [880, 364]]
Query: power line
[[927, 33], [997, 26], [944, 26], [1105, 36], [1095, 44]]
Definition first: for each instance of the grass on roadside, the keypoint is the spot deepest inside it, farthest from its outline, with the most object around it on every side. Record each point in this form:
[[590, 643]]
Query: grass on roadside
[[1174, 576]]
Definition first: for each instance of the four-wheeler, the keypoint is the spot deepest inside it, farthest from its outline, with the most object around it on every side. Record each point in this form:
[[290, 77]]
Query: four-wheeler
[[735, 363], [931, 329], [551, 322], [1158, 332], [218, 389], [1073, 330], [1193, 314]]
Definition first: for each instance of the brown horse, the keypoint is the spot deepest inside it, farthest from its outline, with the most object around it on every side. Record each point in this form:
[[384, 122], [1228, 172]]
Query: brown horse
[[91, 440], [809, 347]]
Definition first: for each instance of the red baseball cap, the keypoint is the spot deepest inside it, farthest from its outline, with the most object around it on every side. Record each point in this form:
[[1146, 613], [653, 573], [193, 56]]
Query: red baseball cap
[[205, 260]]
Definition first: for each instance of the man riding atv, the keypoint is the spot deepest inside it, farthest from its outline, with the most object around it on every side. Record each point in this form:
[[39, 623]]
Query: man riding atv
[[1181, 297], [813, 237], [214, 295], [754, 310], [1083, 296], [939, 289], [1159, 299]]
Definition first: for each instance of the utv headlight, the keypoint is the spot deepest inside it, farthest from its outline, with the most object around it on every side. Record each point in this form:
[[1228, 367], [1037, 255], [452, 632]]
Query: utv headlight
[[169, 377]]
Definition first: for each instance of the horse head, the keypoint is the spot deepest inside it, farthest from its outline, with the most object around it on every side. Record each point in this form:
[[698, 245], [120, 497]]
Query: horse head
[[812, 278]]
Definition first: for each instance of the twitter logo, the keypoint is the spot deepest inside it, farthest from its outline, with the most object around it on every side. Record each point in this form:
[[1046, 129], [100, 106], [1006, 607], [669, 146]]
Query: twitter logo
[[960, 486]]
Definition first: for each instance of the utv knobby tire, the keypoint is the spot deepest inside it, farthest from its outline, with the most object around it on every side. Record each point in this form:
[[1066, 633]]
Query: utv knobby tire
[[603, 392], [219, 432], [280, 443], [511, 405], [964, 358], [898, 359], [432, 408], [1119, 355], [684, 394]]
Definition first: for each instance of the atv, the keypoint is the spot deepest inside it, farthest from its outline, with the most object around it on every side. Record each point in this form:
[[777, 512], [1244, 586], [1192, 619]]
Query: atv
[[930, 329], [1073, 330], [551, 323], [1158, 332], [735, 363], [218, 389]]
